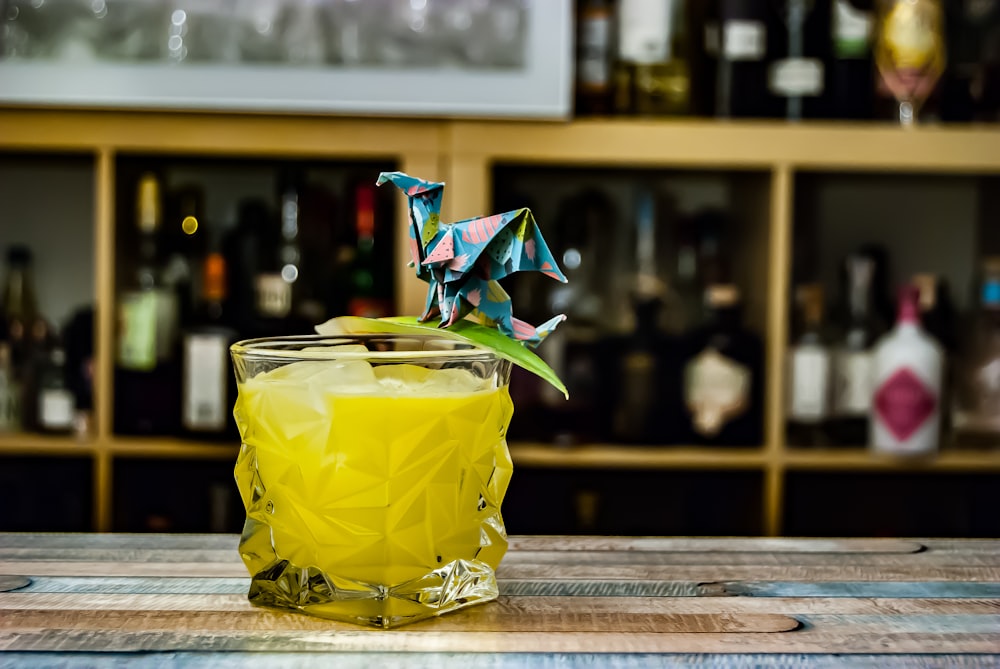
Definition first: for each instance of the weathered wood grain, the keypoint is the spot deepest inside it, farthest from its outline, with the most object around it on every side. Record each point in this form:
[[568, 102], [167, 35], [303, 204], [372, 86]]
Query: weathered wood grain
[[552, 571], [597, 598], [8, 583], [514, 606], [703, 545], [431, 660], [514, 557], [477, 619], [421, 639]]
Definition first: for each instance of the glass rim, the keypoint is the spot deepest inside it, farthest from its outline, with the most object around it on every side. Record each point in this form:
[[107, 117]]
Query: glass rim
[[264, 348]]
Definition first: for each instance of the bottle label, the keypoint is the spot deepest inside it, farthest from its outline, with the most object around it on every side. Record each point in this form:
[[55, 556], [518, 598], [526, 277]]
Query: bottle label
[[595, 41], [137, 331], [716, 390], [744, 40], [274, 296], [852, 383], [55, 408], [903, 404], [644, 31], [796, 77], [205, 368], [809, 384], [851, 30]]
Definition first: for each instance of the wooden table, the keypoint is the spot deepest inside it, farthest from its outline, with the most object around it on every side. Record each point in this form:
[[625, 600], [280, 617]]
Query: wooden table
[[154, 600]]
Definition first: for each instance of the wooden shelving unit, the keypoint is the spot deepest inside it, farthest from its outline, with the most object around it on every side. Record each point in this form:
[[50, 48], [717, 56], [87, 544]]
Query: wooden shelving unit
[[464, 153]]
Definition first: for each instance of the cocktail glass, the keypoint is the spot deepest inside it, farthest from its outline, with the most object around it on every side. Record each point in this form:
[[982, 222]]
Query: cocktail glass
[[372, 469]]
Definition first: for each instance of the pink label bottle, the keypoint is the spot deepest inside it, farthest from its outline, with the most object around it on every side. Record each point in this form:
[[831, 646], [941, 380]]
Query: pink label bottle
[[907, 375]]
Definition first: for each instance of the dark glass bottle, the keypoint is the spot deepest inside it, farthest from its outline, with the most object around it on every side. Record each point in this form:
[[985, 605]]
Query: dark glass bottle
[[594, 50], [370, 276], [809, 363], [851, 69], [27, 332], [852, 354], [56, 404], [638, 394], [971, 85], [209, 387], [147, 372], [722, 376], [799, 73], [653, 75], [741, 46]]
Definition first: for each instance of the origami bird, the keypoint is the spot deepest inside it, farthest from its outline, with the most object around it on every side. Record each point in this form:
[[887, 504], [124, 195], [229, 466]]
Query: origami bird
[[464, 261]]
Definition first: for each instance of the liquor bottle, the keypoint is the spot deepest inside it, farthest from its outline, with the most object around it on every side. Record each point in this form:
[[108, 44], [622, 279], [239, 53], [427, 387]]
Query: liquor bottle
[[370, 280], [147, 383], [28, 332], [78, 335], [798, 76], [56, 403], [10, 412], [25, 326], [183, 242], [637, 391], [722, 384], [907, 368], [652, 74], [937, 313], [573, 350], [851, 81], [852, 362], [249, 252], [971, 85], [741, 48], [809, 367], [910, 57], [593, 57], [208, 384], [976, 398]]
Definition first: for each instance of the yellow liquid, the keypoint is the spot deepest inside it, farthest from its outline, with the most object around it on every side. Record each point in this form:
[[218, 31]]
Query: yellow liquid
[[374, 501]]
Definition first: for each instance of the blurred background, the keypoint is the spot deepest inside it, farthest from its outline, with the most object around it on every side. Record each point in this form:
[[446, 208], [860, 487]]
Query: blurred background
[[780, 220]]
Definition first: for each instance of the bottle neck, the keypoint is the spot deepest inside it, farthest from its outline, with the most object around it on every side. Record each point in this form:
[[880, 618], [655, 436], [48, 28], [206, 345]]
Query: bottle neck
[[19, 295], [908, 311]]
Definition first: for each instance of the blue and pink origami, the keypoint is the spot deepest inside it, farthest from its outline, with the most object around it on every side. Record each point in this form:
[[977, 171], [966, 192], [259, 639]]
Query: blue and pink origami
[[464, 261]]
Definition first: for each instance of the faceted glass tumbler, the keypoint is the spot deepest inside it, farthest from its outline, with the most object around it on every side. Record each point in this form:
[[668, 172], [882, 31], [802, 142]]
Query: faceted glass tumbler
[[372, 469]]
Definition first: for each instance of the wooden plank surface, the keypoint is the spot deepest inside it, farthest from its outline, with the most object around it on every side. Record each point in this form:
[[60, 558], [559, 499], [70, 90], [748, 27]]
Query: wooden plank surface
[[604, 600]]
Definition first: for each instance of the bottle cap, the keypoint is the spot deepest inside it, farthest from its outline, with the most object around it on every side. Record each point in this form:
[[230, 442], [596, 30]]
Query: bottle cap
[[927, 288], [810, 298], [722, 295], [18, 255]]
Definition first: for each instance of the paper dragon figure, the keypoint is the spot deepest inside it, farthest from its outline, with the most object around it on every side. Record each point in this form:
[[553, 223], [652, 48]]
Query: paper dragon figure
[[463, 261]]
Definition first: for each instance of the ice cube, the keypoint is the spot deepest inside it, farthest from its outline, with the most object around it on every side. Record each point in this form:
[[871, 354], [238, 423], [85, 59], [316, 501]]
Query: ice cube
[[402, 378], [452, 380], [344, 376], [299, 372]]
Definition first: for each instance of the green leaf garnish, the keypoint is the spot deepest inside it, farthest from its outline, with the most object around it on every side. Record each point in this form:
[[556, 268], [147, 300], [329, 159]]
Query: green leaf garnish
[[463, 331]]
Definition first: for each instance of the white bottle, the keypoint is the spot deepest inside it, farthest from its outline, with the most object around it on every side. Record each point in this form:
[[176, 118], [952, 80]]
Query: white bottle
[[907, 375]]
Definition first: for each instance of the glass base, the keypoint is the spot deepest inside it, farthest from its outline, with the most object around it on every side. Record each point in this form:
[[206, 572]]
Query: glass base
[[453, 586]]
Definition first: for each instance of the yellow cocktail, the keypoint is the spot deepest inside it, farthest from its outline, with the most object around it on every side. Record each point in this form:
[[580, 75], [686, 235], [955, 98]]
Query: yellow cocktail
[[373, 479]]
